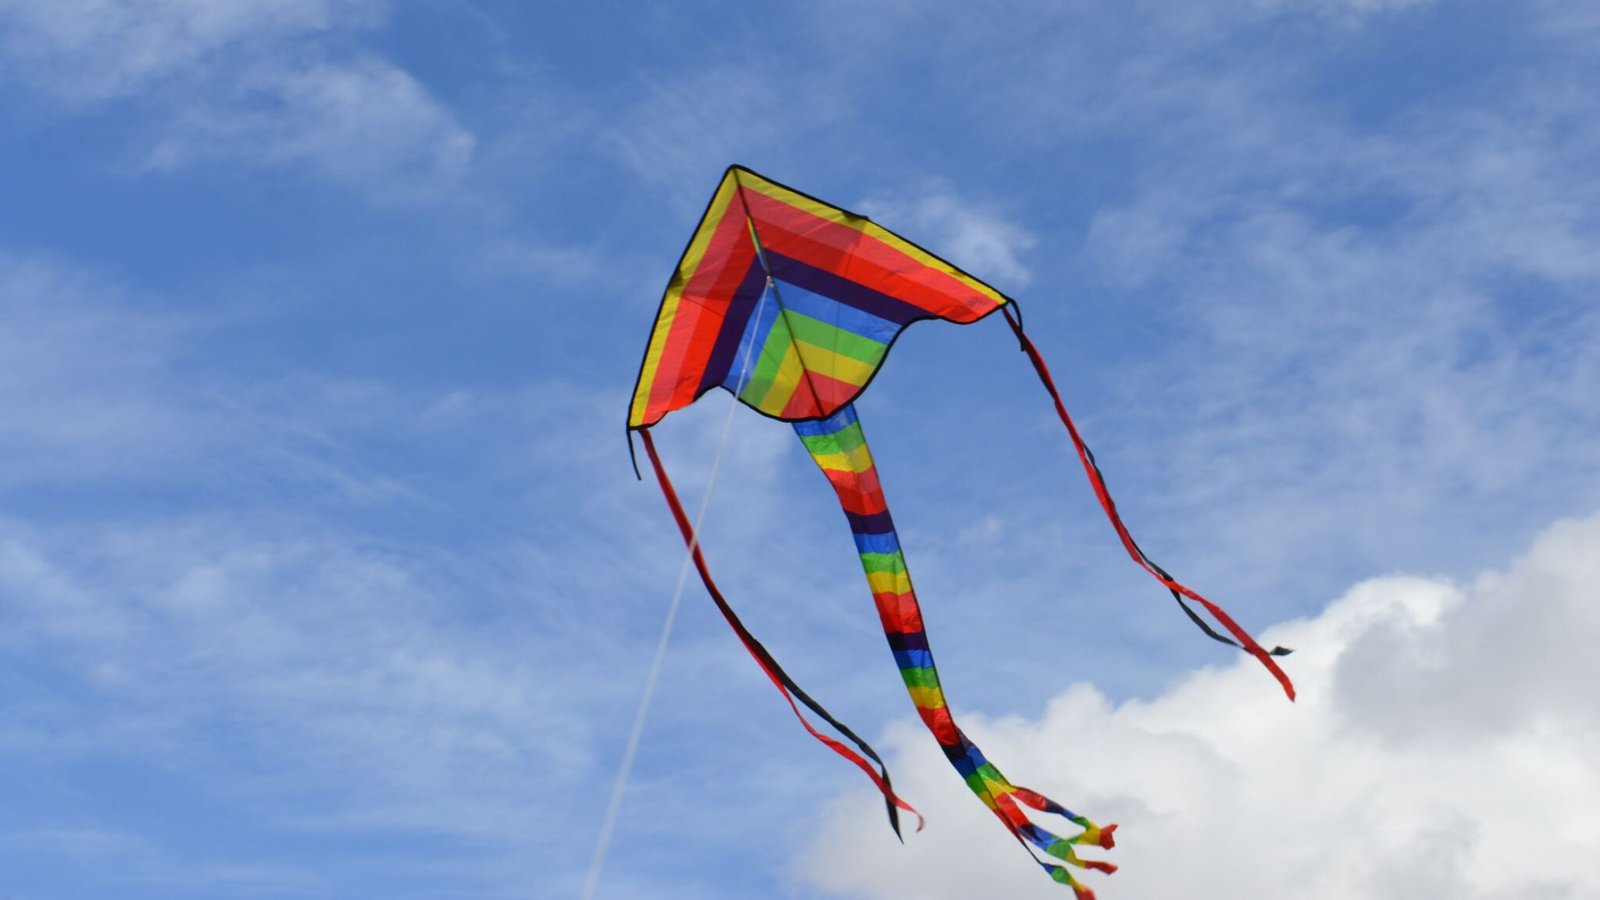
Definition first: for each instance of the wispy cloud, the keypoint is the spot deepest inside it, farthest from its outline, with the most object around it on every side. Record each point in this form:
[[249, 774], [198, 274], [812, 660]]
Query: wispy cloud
[[969, 235], [259, 83], [85, 51], [362, 121]]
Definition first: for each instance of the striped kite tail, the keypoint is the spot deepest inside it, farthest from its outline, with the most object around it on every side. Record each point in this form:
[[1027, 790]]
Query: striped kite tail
[[839, 448]]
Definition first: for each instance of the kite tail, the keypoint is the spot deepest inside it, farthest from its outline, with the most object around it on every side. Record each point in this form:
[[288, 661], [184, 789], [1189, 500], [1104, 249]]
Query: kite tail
[[839, 448], [769, 666], [1242, 639]]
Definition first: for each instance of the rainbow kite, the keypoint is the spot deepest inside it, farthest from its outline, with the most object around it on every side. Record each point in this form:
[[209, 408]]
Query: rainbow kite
[[791, 305]]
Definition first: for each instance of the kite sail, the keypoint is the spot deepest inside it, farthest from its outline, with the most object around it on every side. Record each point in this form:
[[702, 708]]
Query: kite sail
[[791, 305]]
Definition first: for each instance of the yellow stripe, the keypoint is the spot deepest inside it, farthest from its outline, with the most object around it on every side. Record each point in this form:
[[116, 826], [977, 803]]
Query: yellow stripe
[[652, 359], [858, 460], [889, 582], [702, 238], [926, 698], [866, 226], [835, 365], [784, 383]]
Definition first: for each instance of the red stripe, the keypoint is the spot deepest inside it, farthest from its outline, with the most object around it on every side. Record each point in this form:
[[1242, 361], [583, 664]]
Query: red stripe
[[833, 392], [803, 402], [899, 613], [943, 726], [675, 371], [702, 308], [819, 394], [855, 255], [859, 492]]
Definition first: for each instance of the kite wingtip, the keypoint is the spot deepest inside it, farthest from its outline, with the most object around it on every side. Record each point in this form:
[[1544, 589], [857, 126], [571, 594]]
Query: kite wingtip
[[1107, 838]]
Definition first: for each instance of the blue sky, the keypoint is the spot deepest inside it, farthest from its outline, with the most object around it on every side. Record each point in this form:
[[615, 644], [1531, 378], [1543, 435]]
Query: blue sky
[[323, 571]]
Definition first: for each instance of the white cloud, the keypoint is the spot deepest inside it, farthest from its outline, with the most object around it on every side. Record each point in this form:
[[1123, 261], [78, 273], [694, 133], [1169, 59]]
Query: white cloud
[[1442, 745], [985, 243], [102, 387], [362, 121], [686, 129], [1370, 314], [88, 50], [1343, 9], [86, 374], [247, 81]]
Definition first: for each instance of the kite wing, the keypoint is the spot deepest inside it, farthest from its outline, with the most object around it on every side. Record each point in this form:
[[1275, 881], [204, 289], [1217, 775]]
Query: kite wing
[[790, 304]]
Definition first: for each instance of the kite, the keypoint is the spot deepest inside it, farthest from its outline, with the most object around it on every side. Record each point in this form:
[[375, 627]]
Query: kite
[[791, 305]]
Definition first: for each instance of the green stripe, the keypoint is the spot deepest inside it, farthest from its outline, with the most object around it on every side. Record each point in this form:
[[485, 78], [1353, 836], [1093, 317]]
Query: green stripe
[[1062, 849], [893, 563], [920, 678], [767, 361], [840, 341], [850, 437], [820, 444], [989, 771], [977, 784], [841, 441]]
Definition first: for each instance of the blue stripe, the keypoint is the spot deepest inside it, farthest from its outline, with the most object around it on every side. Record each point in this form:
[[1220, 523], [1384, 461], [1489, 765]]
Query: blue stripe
[[756, 332], [886, 542], [965, 756], [831, 312], [913, 659], [958, 758], [843, 290], [842, 418]]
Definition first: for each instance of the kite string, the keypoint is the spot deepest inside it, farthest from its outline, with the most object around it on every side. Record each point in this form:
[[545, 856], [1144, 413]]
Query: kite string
[[597, 863]]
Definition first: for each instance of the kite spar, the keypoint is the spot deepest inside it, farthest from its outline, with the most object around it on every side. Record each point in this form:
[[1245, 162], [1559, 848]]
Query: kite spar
[[791, 305]]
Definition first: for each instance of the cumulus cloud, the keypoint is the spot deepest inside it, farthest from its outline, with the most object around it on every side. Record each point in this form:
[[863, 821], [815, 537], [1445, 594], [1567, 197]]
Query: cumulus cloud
[[1443, 745]]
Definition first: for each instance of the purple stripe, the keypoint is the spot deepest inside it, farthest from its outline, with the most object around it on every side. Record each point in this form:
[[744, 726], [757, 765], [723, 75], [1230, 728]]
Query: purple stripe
[[850, 293], [876, 523], [901, 641], [740, 308]]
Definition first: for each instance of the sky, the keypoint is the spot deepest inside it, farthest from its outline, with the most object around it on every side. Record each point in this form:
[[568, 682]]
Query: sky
[[324, 572]]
